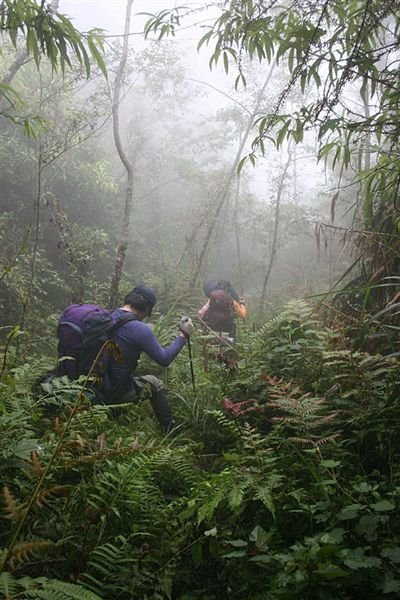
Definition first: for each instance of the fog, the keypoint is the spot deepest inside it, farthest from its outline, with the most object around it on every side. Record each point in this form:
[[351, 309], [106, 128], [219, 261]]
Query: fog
[[181, 127]]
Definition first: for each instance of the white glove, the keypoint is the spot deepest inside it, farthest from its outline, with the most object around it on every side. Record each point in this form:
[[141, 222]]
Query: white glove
[[186, 326]]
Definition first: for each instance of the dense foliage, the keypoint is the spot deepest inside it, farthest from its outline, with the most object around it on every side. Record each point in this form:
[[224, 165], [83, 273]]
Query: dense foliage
[[283, 481]]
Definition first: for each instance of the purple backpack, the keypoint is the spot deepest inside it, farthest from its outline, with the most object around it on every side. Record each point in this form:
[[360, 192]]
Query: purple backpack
[[82, 331]]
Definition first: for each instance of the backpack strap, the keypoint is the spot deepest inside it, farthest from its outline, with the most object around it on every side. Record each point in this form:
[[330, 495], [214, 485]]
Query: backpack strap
[[122, 320]]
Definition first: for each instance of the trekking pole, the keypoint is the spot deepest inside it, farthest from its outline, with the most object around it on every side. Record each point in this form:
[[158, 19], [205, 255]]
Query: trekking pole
[[191, 365]]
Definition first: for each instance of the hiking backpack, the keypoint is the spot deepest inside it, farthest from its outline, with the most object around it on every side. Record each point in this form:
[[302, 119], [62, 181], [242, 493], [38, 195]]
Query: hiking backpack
[[220, 311], [82, 331], [212, 285]]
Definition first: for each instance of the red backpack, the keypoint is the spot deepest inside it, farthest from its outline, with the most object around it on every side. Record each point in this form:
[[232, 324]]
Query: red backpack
[[220, 311]]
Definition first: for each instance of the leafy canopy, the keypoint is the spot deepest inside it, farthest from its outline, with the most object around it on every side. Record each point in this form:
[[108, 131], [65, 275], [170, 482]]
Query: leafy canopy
[[51, 34]]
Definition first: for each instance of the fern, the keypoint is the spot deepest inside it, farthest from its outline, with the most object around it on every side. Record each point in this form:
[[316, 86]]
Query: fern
[[60, 590], [237, 493], [223, 422], [42, 588], [105, 567], [11, 510], [305, 416], [8, 585], [217, 493], [26, 551], [44, 496], [291, 344]]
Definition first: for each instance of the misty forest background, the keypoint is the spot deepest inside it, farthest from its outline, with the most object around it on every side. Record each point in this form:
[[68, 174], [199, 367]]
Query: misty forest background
[[273, 161]]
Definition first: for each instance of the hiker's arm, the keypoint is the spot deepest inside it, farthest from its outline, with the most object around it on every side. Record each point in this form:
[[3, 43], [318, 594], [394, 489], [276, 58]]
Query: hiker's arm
[[163, 356], [202, 312]]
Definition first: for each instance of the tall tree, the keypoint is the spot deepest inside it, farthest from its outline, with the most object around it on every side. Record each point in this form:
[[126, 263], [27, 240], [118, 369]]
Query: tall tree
[[275, 236], [123, 242]]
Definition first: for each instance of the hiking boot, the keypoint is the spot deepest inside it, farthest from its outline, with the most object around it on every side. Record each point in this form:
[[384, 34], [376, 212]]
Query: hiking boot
[[162, 410]]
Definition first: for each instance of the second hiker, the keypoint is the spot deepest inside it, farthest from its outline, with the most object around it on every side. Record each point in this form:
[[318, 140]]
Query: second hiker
[[222, 306]]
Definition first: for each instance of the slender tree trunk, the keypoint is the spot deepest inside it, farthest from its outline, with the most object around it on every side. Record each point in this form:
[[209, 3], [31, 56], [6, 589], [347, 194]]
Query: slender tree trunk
[[237, 235], [27, 295], [123, 242], [220, 200], [36, 224], [367, 144], [275, 237]]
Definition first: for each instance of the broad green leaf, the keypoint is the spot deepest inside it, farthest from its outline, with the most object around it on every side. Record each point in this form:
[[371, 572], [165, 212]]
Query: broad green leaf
[[235, 554], [367, 527], [393, 554], [237, 543], [330, 464], [383, 506], [350, 511], [330, 571], [97, 56], [259, 536], [226, 62], [261, 558]]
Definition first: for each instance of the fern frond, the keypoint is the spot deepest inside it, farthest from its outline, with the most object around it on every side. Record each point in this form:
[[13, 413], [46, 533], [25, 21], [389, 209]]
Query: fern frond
[[328, 439], [27, 550], [264, 494], [223, 421], [58, 426], [95, 457], [104, 563], [12, 509], [237, 493], [36, 466], [61, 590], [255, 443], [42, 588], [104, 558], [44, 496], [213, 493], [301, 441], [8, 585], [327, 419], [101, 441]]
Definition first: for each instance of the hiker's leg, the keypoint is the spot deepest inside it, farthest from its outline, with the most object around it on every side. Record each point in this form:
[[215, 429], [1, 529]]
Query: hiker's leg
[[133, 393], [159, 401]]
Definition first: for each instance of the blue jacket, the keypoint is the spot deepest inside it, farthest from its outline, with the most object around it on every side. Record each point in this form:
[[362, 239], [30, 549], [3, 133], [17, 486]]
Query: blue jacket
[[133, 338]]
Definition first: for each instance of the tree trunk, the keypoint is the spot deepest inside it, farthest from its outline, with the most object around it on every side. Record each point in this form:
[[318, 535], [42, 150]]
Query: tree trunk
[[275, 235], [237, 236], [123, 242]]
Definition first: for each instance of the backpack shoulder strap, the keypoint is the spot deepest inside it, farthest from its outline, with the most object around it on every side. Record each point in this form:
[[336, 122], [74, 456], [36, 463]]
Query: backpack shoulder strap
[[122, 320]]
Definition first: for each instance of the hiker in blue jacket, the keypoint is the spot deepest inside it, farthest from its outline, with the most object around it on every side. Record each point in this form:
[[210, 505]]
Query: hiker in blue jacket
[[134, 337]]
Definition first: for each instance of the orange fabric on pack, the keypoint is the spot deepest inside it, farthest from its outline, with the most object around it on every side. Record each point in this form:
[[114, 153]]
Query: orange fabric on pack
[[240, 309]]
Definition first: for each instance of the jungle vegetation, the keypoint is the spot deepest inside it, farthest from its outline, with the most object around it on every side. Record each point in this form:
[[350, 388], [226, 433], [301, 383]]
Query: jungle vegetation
[[283, 481]]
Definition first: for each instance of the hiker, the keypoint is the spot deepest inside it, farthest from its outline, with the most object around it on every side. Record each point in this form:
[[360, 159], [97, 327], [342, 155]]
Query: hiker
[[84, 332], [133, 337], [223, 304]]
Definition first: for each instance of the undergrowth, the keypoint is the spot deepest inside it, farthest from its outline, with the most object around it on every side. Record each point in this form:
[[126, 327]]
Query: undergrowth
[[283, 481]]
